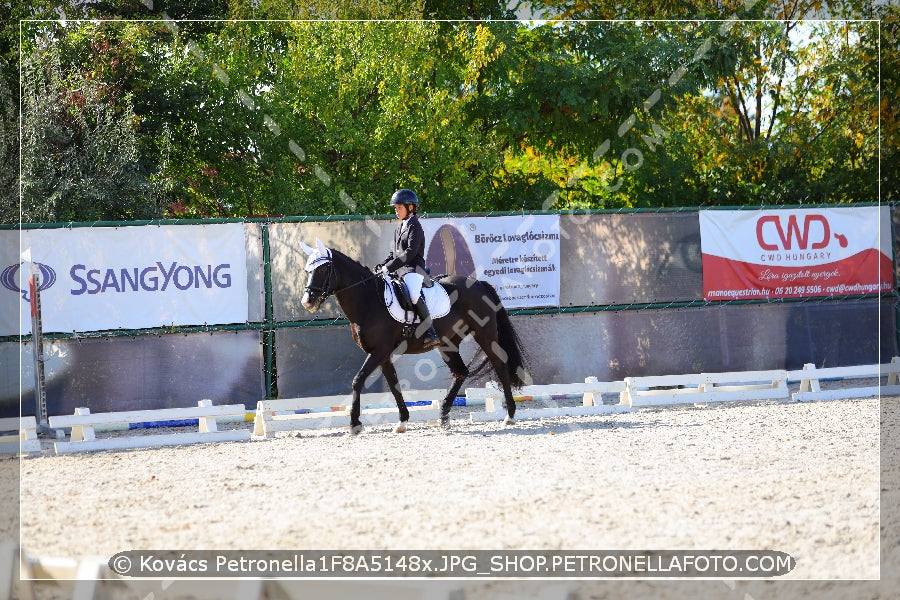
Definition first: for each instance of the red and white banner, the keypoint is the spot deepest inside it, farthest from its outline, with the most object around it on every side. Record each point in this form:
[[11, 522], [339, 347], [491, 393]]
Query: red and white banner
[[752, 255], [103, 278]]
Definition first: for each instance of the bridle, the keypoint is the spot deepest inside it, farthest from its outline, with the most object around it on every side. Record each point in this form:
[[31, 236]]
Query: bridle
[[325, 289]]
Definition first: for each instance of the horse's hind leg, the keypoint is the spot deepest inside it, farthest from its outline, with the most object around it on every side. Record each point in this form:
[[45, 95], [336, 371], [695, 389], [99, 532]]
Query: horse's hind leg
[[390, 376], [460, 372], [498, 357]]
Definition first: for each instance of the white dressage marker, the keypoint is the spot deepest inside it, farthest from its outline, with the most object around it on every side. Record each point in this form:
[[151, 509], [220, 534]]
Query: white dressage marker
[[25, 441], [87, 573]]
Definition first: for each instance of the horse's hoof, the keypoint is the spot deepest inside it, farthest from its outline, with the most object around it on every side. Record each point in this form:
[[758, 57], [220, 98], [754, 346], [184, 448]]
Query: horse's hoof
[[509, 421], [356, 429], [445, 421], [400, 428]]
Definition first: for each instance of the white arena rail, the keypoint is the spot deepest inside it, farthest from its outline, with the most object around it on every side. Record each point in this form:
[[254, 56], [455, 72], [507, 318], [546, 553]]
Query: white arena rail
[[665, 390], [334, 411], [22, 576], [810, 378], [83, 422], [590, 391], [25, 439]]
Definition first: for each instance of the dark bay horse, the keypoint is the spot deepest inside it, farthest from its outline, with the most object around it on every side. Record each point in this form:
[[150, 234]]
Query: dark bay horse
[[475, 309]]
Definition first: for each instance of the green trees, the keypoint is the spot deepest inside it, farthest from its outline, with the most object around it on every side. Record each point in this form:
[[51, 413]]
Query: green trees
[[80, 150], [9, 155], [137, 119], [890, 101], [793, 119]]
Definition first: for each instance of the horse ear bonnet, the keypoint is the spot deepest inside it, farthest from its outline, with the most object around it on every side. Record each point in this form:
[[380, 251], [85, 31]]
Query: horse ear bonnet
[[316, 257]]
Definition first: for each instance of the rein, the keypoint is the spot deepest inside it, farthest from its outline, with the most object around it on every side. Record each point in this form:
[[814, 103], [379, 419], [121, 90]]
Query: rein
[[326, 290], [352, 285]]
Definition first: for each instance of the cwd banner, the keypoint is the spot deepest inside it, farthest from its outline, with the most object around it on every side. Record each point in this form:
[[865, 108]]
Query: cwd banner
[[795, 253], [94, 279], [519, 256]]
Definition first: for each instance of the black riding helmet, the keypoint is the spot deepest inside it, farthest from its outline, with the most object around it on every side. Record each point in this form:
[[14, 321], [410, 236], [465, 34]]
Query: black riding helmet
[[404, 196]]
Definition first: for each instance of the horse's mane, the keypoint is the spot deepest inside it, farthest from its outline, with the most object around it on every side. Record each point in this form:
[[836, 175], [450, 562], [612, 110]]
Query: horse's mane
[[350, 261]]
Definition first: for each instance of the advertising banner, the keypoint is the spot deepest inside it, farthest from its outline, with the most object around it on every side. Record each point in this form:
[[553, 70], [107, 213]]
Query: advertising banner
[[94, 279], [754, 255], [519, 256]]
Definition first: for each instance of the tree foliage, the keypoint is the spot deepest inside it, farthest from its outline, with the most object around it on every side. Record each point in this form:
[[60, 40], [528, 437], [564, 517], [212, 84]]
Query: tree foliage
[[890, 101], [80, 151], [199, 118], [794, 120]]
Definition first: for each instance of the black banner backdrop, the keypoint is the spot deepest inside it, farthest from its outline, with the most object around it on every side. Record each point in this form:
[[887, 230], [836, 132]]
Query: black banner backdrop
[[141, 373], [614, 344]]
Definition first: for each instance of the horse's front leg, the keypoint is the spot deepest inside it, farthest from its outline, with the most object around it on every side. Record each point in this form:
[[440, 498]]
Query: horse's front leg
[[390, 376], [369, 365], [460, 372]]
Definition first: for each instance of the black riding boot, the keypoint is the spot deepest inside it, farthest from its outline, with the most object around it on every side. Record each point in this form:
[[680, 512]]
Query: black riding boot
[[430, 338]]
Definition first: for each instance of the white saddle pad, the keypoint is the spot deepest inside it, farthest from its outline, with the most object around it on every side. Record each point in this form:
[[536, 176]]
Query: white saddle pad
[[436, 299]]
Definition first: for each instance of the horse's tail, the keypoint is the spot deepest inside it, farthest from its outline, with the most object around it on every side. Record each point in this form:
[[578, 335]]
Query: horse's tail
[[511, 350]]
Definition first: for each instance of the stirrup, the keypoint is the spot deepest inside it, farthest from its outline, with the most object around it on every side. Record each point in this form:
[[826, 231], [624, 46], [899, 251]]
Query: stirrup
[[430, 339]]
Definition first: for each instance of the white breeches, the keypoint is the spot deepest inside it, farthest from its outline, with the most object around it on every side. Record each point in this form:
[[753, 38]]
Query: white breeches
[[413, 285]]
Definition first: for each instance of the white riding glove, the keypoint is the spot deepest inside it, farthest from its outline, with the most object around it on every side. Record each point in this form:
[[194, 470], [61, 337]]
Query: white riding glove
[[384, 271]]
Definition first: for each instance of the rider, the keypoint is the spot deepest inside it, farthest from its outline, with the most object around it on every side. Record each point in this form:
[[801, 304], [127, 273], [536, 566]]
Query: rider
[[407, 258]]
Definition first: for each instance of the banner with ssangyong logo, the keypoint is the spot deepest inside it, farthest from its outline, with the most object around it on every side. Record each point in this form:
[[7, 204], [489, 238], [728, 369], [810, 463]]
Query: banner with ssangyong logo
[[93, 279], [519, 256], [795, 253]]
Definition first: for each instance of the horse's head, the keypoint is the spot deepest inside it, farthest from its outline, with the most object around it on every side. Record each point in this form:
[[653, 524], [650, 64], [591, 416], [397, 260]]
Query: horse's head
[[320, 271]]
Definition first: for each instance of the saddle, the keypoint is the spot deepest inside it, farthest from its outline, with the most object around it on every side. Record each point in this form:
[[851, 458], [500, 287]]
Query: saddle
[[399, 304], [402, 294]]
